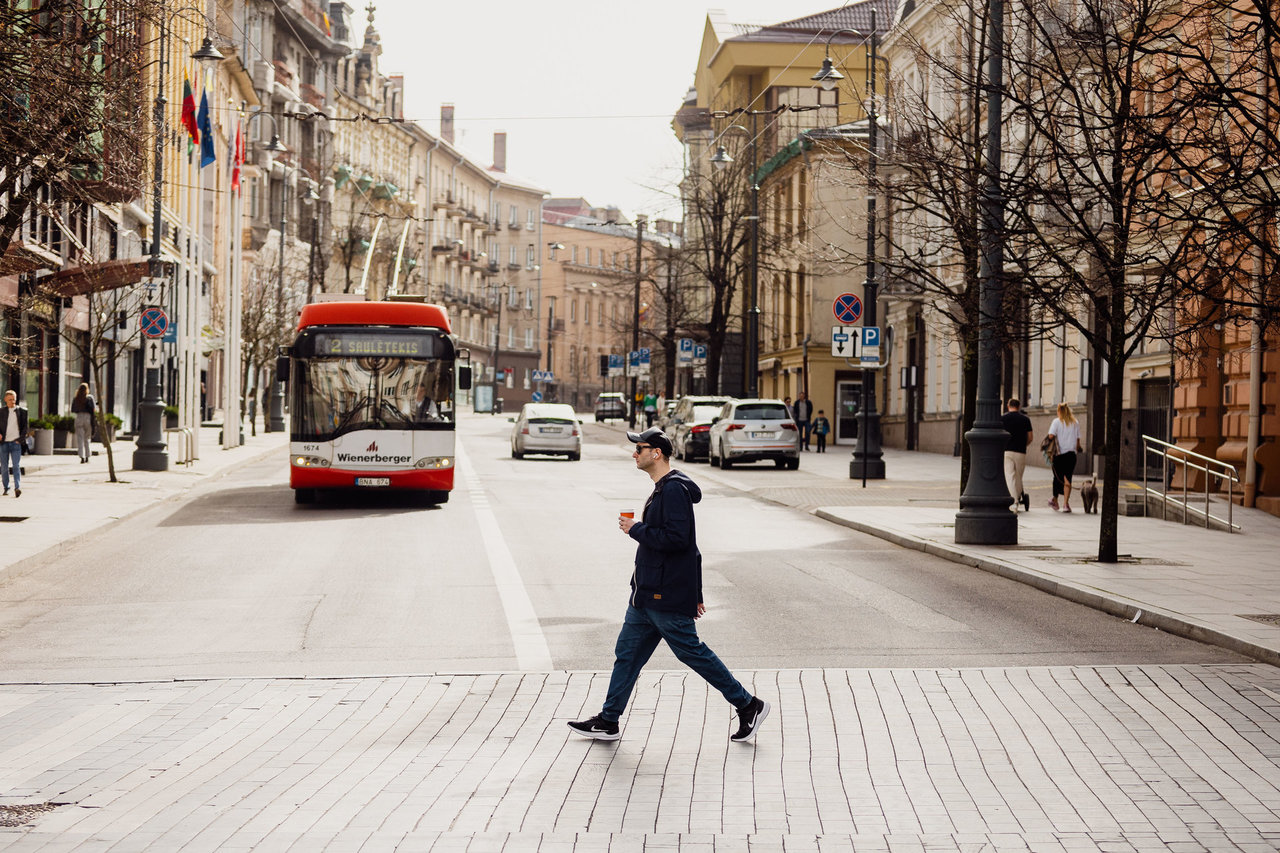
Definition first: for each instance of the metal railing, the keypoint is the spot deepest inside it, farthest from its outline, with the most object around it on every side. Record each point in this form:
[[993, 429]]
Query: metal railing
[[1174, 457]]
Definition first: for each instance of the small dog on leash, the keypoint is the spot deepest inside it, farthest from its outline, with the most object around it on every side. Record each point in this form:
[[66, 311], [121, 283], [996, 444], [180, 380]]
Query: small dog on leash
[[1089, 495]]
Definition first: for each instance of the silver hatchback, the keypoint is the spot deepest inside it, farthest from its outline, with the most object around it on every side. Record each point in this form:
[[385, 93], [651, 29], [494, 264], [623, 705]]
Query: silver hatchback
[[755, 430], [551, 428]]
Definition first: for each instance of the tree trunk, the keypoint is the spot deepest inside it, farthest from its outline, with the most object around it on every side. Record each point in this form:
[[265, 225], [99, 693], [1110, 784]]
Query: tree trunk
[[1109, 506]]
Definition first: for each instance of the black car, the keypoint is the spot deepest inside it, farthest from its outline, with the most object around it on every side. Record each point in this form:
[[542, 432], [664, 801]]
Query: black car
[[690, 424]]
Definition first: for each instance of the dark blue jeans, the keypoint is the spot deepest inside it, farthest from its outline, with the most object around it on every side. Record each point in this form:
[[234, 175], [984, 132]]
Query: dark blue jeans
[[11, 456], [641, 630]]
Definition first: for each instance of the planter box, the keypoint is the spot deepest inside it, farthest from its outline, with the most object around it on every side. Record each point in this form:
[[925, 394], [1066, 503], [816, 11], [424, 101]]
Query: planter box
[[44, 442], [63, 438]]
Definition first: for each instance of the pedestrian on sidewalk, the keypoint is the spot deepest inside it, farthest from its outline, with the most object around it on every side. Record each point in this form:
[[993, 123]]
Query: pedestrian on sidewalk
[[821, 426], [1018, 426], [13, 431], [1066, 429], [82, 406], [666, 596], [804, 416], [650, 408]]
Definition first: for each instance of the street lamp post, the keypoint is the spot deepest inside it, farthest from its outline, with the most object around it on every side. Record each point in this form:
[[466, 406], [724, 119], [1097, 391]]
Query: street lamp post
[[635, 317], [151, 453], [984, 517], [868, 456]]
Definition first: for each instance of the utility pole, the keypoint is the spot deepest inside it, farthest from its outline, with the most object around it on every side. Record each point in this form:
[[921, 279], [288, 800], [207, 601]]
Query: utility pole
[[635, 318]]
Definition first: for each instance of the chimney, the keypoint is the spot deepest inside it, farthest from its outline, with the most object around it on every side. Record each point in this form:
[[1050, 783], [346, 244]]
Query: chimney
[[500, 151], [446, 123]]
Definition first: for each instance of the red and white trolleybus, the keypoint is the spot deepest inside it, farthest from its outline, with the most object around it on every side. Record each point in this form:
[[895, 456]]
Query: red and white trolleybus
[[371, 388]]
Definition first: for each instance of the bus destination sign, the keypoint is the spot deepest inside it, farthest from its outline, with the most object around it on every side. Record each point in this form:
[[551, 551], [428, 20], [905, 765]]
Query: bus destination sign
[[366, 344]]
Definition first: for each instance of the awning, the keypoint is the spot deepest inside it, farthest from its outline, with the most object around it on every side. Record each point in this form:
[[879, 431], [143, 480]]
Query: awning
[[94, 278]]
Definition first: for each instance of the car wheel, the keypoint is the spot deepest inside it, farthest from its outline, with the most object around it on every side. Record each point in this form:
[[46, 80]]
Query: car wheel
[[779, 463], [515, 454], [725, 463], [794, 464], [713, 460], [304, 496], [575, 457]]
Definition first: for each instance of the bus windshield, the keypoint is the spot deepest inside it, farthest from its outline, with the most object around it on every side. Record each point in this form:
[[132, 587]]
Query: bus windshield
[[340, 395]]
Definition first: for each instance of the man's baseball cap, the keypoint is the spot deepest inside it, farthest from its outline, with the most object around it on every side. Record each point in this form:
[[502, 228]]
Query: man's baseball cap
[[653, 437]]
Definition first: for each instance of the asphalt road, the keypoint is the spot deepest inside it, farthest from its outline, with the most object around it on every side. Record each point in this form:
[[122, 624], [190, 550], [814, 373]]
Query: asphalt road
[[524, 569]]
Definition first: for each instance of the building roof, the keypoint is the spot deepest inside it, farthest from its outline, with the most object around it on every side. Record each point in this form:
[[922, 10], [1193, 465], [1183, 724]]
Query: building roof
[[855, 16]]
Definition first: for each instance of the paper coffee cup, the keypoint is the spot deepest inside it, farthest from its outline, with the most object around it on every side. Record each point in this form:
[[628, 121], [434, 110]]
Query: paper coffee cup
[[627, 514]]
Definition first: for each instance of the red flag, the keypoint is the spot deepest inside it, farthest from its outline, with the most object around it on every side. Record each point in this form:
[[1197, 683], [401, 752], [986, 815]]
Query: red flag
[[237, 157], [189, 111]]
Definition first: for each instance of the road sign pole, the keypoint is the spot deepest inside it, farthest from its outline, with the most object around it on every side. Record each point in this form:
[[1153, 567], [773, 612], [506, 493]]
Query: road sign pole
[[151, 453]]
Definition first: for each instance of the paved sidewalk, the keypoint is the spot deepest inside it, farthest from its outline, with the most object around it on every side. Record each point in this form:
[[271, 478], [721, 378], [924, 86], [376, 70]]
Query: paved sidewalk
[[1203, 584], [64, 500]]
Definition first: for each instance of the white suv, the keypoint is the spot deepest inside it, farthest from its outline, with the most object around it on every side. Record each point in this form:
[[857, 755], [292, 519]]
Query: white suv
[[752, 430]]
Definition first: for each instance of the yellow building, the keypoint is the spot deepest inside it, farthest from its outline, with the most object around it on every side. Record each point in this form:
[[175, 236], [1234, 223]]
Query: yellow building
[[753, 97]]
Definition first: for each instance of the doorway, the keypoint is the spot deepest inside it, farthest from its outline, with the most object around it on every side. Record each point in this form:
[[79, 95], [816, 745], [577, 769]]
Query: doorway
[[848, 404]]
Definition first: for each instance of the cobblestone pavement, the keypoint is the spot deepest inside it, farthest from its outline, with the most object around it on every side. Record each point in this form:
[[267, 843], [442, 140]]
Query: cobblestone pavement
[[1134, 758]]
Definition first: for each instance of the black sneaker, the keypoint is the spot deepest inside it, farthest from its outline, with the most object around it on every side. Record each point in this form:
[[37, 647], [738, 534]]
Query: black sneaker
[[749, 719], [1026, 501], [596, 729]]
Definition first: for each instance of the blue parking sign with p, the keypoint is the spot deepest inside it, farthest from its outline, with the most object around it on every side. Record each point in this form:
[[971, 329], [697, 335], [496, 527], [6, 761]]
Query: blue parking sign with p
[[871, 336]]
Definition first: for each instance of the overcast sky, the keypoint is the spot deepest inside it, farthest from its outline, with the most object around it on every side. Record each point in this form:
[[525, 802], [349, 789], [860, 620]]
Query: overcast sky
[[585, 90]]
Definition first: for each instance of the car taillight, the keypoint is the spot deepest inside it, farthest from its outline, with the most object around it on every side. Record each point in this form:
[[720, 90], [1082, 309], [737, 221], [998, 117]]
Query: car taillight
[[575, 430], [732, 427], [788, 426], [702, 428], [524, 430]]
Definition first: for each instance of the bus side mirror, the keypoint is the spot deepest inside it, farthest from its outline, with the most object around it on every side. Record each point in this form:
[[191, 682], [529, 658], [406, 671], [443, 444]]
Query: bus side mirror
[[282, 368], [464, 378]]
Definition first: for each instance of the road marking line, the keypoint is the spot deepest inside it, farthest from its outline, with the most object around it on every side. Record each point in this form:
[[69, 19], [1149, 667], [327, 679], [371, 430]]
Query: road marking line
[[532, 652]]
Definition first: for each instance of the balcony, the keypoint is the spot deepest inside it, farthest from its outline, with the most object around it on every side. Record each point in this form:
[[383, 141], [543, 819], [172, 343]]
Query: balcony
[[312, 95]]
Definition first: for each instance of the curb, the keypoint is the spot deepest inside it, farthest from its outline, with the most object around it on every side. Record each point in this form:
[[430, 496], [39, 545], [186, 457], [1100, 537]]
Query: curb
[[1124, 608]]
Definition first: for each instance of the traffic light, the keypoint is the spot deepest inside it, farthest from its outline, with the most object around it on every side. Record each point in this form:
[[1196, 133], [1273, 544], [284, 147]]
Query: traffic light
[[604, 365]]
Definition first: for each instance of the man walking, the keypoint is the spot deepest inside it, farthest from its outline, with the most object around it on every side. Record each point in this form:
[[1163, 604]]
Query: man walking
[[666, 596], [1018, 426], [13, 430], [803, 410]]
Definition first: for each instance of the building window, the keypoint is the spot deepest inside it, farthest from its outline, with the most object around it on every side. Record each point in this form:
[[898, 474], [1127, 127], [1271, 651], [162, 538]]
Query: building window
[[573, 310], [528, 338], [531, 257], [513, 257], [528, 298], [531, 221], [515, 217], [600, 313], [513, 298], [588, 256]]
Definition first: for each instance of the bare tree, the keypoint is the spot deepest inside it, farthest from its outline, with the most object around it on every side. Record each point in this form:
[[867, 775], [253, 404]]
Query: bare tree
[[717, 237], [1095, 185], [72, 118]]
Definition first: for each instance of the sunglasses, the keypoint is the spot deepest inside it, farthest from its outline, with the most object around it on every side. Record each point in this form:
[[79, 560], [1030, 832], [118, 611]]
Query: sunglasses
[[640, 447]]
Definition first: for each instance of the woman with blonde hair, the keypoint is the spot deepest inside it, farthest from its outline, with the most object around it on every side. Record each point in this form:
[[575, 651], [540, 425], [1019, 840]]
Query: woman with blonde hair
[[82, 407], [1066, 429]]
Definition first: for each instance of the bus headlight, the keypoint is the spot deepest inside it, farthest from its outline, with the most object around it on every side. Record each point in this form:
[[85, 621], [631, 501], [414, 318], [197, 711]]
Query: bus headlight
[[310, 462], [434, 462]]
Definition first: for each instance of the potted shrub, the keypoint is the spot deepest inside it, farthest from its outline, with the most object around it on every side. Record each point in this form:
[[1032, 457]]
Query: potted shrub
[[64, 429], [42, 429], [113, 426], [170, 417]]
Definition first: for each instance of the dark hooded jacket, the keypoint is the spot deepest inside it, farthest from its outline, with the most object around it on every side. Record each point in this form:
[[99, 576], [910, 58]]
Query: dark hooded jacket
[[668, 573]]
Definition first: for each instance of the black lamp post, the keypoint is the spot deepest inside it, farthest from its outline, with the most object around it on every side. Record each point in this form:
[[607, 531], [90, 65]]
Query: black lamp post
[[635, 318], [984, 517], [868, 457], [151, 453]]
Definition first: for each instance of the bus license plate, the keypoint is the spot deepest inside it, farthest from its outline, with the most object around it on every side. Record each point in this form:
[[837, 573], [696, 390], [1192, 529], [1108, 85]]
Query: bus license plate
[[373, 481]]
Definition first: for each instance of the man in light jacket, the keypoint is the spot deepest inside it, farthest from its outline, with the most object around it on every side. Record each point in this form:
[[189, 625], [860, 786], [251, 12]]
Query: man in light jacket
[[13, 432]]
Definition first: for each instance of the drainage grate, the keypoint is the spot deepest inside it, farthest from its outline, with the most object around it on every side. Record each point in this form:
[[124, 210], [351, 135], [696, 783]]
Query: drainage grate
[[14, 517], [1264, 618], [13, 816], [1123, 560]]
